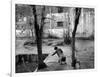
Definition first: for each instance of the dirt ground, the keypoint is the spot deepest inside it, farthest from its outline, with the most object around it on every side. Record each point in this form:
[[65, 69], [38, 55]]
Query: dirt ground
[[84, 53]]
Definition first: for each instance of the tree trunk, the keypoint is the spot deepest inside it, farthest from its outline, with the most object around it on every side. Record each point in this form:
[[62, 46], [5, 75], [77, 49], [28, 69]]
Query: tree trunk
[[32, 33], [38, 33], [67, 38], [77, 15], [41, 64]]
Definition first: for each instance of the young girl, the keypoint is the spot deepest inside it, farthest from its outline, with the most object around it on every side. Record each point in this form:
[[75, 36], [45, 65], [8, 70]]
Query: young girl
[[59, 52]]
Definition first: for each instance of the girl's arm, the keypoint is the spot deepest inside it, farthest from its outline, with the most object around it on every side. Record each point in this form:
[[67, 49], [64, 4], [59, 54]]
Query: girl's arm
[[54, 53]]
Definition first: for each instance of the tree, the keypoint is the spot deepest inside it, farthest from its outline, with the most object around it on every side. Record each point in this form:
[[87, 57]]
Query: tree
[[24, 11], [67, 38], [31, 25], [38, 33], [76, 22]]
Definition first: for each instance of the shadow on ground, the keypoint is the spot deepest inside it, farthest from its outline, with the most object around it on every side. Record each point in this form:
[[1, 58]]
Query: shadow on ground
[[27, 63]]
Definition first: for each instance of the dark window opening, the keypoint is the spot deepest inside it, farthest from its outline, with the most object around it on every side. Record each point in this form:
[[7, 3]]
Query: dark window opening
[[60, 9], [60, 24]]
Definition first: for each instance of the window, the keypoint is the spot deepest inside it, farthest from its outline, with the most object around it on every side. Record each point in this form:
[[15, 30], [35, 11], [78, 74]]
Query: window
[[60, 24], [60, 9]]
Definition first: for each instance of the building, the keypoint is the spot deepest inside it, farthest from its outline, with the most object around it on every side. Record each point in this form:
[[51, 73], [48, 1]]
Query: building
[[59, 23]]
